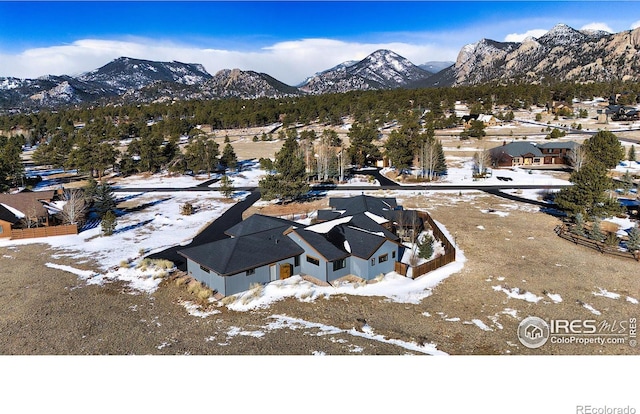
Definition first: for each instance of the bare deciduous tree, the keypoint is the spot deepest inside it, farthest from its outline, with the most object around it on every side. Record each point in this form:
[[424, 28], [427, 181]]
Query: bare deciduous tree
[[74, 208], [577, 157], [481, 161]]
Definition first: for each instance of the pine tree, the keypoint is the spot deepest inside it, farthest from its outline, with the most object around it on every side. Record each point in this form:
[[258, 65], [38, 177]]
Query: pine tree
[[425, 246], [228, 158], [596, 232], [604, 147], [633, 244], [289, 182], [108, 223], [587, 194], [226, 186], [578, 227], [632, 153], [104, 200]]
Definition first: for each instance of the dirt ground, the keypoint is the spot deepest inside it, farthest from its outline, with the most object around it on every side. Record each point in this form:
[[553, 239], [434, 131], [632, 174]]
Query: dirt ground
[[49, 311]]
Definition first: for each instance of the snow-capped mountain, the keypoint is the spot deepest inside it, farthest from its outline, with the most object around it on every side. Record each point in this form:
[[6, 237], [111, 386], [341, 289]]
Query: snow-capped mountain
[[563, 53], [226, 83], [126, 73], [383, 69]]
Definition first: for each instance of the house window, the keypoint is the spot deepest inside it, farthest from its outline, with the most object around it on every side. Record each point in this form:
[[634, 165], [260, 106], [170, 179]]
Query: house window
[[373, 261], [296, 261], [339, 264], [204, 269], [250, 272], [393, 254], [536, 160], [1, 229], [313, 261], [383, 258]]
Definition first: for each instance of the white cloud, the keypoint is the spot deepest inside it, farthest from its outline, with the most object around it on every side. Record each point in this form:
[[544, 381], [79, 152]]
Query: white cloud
[[635, 25], [519, 37], [597, 26], [289, 61]]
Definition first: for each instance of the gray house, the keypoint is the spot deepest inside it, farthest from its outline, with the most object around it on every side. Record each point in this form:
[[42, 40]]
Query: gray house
[[354, 239], [258, 252]]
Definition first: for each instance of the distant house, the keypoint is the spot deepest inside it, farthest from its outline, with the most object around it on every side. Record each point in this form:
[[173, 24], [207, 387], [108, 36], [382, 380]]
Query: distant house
[[519, 154], [356, 237], [30, 206], [487, 120]]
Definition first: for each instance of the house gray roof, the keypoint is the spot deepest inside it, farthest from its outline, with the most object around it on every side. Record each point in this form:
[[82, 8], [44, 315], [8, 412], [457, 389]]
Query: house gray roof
[[7, 215], [362, 203], [561, 144], [362, 243], [326, 245], [231, 256], [517, 149], [258, 223]]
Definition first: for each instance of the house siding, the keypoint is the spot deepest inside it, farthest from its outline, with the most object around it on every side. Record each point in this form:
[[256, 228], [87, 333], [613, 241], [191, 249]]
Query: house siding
[[230, 285], [5, 229], [320, 271], [331, 275], [212, 279], [365, 270], [241, 282]]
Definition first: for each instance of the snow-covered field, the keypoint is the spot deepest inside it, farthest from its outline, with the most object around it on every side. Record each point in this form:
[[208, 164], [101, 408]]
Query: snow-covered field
[[463, 175]]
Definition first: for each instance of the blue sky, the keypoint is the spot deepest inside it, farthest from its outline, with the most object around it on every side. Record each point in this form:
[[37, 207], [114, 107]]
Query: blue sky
[[289, 39]]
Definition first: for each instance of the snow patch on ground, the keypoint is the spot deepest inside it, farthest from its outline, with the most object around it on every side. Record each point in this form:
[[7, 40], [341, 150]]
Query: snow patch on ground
[[283, 321], [591, 309], [605, 293], [515, 293], [195, 310], [556, 298], [481, 325]]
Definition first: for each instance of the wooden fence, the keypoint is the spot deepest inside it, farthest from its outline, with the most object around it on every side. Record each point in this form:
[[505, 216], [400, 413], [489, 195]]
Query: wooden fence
[[448, 257], [44, 231], [601, 247]]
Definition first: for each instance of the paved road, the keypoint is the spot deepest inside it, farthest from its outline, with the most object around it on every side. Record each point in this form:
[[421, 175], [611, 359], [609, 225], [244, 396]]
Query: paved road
[[213, 232]]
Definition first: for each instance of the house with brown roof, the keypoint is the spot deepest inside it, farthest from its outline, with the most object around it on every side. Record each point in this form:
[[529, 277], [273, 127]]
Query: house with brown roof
[[531, 154], [27, 209]]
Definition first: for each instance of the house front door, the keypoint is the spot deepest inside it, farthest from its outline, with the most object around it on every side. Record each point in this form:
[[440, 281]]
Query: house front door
[[285, 270], [272, 273]]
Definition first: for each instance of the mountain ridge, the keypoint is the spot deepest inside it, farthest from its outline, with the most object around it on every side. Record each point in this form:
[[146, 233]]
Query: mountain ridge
[[561, 54]]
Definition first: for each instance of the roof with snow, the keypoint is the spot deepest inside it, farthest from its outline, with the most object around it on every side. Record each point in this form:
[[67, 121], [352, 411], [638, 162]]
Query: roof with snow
[[7, 215], [28, 202]]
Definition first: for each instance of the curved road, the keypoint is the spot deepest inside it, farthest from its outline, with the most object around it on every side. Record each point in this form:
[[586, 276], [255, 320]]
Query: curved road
[[215, 231]]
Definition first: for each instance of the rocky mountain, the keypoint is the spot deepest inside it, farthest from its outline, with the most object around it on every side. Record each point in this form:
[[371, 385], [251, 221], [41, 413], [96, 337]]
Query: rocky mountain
[[561, 54], [383, 69], [126, 73], [227, 83]]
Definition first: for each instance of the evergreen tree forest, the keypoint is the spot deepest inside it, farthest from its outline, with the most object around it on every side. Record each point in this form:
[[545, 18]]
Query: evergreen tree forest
[[143, 138]]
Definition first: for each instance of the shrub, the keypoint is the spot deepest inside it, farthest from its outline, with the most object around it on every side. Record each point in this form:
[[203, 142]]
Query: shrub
[[612, 239], [186, 209], [425, 246]]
